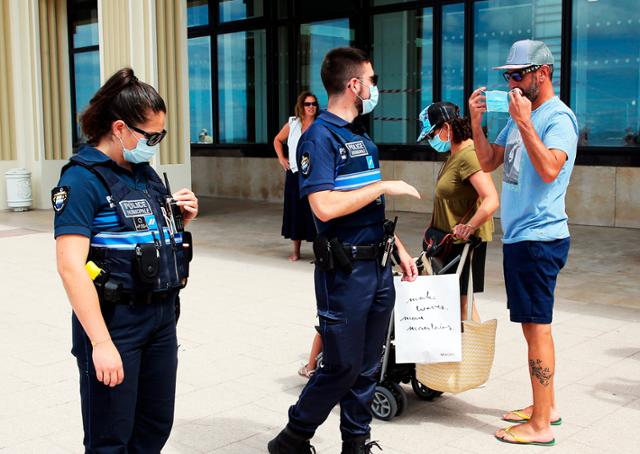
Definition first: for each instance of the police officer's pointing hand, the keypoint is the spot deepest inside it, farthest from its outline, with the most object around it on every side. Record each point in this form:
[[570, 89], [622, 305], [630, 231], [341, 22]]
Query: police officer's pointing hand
[[399, 187]]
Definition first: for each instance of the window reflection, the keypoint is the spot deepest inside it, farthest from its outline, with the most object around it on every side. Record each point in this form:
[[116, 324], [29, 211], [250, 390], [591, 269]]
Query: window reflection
[[200, 123], [87, 76], [231, 10], [605, 72], [316, 39], [242, 87], [84, 58], [453, 54], [403, 58], [497, 25], [197, 12], [85, 31], [284, 105]]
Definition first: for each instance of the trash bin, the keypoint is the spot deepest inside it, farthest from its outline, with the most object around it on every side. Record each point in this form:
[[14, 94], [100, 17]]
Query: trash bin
[[18, 189]]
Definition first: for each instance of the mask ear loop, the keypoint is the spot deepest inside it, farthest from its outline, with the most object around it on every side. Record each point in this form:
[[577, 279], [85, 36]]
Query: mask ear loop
[[448, 132], [121, 142], [356, 93]]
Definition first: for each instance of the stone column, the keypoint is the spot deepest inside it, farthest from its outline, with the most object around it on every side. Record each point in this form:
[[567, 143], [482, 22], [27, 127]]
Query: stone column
[[35, 36], [151, 37]]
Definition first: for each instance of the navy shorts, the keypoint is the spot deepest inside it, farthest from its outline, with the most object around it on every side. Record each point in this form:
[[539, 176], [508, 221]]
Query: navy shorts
[[530, 272]]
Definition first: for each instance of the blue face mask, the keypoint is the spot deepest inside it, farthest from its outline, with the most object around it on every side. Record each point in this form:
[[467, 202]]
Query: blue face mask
[[441, 146], [141, 153], [497, 101], [369, 104]]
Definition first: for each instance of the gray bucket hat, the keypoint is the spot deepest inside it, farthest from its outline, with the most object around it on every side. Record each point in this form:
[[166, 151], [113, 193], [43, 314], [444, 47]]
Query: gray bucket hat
[[527, 53]]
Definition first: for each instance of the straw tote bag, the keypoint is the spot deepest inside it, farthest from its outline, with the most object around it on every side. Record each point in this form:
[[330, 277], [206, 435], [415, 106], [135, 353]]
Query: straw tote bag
[[478, 348]]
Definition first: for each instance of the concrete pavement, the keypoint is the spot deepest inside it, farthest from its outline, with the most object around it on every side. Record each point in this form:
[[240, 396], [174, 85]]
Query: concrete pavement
[[247, 325]]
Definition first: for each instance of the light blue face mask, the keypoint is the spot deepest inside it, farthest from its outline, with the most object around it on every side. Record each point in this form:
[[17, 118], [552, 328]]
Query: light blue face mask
[[141, 153], [369, 104], [497, 101], [441, 146]]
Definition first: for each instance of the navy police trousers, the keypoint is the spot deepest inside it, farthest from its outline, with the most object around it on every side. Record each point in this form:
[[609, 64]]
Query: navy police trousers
[[354, 312], [135, 416]]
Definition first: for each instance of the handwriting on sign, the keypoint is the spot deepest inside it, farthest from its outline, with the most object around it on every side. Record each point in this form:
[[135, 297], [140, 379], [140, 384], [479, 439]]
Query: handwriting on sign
[[429, 308], [427, 320], [430, 327], [427, 296]]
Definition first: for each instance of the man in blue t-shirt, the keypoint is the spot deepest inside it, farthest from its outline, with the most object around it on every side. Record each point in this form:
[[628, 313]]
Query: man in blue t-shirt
[[340, 174], [538, 150]]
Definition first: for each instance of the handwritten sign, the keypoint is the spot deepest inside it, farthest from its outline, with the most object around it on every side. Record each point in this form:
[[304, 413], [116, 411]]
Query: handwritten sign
[[427, 320]]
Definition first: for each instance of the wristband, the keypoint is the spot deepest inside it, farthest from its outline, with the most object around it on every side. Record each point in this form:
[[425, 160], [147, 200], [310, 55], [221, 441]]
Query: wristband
[[93, 344]]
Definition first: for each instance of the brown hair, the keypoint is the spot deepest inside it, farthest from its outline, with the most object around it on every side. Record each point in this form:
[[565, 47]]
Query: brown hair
[[299, 109], [461, 127], [339, 66], [122, 97]]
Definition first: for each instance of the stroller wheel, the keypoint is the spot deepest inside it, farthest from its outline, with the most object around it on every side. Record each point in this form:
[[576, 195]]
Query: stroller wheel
[[422, 391], [401, 397], [384, 404]]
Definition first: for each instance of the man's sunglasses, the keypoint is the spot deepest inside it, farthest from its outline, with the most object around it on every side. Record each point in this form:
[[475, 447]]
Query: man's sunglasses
[[309, 104], [153, 138], [518, 74]]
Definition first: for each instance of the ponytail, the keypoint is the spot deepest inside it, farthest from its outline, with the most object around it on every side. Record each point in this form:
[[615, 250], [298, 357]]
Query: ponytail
[[122, 97]]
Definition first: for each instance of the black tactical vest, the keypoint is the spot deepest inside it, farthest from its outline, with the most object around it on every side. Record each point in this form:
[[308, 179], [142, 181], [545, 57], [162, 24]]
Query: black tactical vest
[[143, 254]]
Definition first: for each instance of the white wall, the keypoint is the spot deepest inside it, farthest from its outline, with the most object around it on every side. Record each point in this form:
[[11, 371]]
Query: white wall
[[601, 196]]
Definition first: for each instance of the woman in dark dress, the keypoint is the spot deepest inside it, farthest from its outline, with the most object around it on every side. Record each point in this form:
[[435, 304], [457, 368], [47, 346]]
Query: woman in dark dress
[[297, 221]]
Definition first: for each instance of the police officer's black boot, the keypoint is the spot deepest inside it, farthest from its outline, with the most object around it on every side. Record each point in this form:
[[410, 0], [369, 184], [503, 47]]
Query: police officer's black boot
[[359, 445], [289, 442]]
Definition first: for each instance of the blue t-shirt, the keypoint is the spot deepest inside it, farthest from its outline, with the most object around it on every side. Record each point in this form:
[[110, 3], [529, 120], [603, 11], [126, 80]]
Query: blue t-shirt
[[532, 210], [334, 155], [87, 209]]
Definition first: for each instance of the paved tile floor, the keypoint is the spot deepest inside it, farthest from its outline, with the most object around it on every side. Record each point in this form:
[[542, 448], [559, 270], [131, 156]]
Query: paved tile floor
[[247, 324]]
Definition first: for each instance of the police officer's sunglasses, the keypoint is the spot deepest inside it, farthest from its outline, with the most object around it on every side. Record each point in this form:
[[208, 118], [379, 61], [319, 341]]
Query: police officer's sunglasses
[[518, 74], [153, 138], [373, 80]]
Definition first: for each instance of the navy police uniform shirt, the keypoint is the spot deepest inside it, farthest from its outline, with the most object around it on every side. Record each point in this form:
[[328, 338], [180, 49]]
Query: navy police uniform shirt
[[82, 202], [334, 155]]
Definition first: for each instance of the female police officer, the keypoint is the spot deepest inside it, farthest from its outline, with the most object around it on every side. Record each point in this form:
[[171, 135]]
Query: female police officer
[[113, 213]]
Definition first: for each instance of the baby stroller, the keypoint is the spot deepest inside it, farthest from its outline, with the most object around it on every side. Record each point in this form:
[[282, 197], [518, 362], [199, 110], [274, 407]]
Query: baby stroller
[[390, 399]]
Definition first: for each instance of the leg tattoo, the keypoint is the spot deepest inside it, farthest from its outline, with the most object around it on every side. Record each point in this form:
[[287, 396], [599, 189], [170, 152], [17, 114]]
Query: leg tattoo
[[543, 374]]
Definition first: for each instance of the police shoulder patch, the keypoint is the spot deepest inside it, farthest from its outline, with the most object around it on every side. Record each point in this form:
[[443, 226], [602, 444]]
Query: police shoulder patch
[[305, 163], [59, 197]]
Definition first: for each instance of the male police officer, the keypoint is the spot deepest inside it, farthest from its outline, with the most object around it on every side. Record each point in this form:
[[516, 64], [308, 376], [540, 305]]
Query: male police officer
[[354, 289]]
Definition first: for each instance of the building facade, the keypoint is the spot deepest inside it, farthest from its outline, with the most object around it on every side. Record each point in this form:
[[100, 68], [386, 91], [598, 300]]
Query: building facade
[[231, 69]]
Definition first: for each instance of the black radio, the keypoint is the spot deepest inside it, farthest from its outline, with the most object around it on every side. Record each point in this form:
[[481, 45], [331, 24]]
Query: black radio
[[174, 213]]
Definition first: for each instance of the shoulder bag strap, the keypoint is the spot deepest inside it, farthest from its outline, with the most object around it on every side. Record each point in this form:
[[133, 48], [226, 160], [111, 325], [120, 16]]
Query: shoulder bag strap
[[470, 287]]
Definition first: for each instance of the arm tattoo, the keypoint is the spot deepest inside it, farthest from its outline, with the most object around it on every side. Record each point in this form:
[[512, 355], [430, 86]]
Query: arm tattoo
[[543, 374]]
